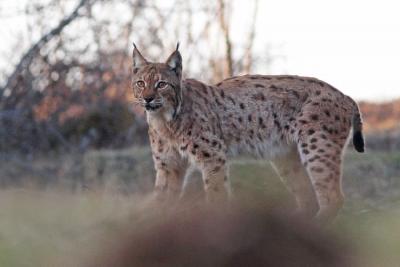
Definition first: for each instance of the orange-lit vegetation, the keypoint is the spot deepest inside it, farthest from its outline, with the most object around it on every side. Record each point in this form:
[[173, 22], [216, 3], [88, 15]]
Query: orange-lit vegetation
[[379, 117]]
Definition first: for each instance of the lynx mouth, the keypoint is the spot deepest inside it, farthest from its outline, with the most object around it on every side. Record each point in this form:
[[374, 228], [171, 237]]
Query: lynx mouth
[[152, 107]]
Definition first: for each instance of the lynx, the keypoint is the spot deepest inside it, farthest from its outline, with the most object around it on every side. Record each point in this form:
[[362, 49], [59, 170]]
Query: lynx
[[300, 124]]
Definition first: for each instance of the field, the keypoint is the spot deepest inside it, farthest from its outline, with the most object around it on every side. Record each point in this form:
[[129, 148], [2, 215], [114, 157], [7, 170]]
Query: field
[[61, 223]]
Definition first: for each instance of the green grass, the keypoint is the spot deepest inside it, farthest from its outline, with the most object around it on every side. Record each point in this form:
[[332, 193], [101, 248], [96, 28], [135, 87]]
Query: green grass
[[375, 234]]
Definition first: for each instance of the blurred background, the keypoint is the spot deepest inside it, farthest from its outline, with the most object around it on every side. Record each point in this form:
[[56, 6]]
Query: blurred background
[[72, 142]]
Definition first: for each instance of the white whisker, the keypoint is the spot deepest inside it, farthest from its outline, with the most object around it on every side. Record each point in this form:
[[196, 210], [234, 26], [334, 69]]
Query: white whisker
[[138, 102]]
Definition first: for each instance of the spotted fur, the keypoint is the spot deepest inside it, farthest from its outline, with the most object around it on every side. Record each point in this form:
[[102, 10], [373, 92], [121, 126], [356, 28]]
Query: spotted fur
[[300, 124]]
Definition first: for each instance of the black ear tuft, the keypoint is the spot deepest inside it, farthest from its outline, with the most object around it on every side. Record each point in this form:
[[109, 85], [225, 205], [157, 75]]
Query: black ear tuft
[[174, 61]]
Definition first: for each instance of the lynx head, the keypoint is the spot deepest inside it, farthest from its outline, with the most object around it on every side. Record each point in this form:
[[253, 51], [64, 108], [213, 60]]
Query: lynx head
[[157, 86]]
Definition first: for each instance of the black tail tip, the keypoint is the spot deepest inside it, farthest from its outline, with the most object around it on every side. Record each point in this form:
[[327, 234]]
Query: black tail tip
[[358, 141]]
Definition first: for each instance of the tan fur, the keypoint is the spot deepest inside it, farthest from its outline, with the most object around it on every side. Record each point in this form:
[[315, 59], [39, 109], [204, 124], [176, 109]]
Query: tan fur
[[301, 124]]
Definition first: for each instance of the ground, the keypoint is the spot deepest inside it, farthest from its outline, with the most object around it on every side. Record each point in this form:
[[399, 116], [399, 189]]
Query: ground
[[44, 226]]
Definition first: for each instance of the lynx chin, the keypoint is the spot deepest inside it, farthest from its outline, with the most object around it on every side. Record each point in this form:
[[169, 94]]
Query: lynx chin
[[300, 124]]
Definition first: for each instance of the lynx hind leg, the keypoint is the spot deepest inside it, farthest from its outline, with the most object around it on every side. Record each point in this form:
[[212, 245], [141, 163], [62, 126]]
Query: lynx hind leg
[[321, 155], [295, 177]]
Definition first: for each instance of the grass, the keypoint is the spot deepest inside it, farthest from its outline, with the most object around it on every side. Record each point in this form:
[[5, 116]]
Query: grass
[[47, 228], [374, 233], [57, 227], [38, 228]]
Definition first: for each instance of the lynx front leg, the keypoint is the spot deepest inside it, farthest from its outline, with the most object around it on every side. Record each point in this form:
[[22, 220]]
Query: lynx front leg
[[215, 179], [170, 167], [169, 179], [208, 153]]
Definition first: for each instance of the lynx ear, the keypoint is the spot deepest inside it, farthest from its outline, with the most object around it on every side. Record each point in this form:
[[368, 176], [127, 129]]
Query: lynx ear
[[138, 60], [174, 61]]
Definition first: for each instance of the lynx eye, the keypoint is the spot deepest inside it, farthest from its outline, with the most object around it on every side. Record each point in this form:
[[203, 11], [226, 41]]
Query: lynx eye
[[140, 83], [161, 85]]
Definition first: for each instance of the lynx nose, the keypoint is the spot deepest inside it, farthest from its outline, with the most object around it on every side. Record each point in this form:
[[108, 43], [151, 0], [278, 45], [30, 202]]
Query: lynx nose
[[148, 99]]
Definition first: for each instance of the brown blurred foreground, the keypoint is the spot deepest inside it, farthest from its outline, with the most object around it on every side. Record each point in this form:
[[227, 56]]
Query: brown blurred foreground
[[195, 235]]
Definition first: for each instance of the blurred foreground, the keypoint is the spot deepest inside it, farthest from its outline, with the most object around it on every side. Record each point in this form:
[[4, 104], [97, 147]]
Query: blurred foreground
[[55, 228], [96, 204]]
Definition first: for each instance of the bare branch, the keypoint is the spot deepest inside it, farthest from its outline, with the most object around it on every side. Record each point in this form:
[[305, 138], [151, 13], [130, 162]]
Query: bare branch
[[30, 54], [248, 64], [228, 43]]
